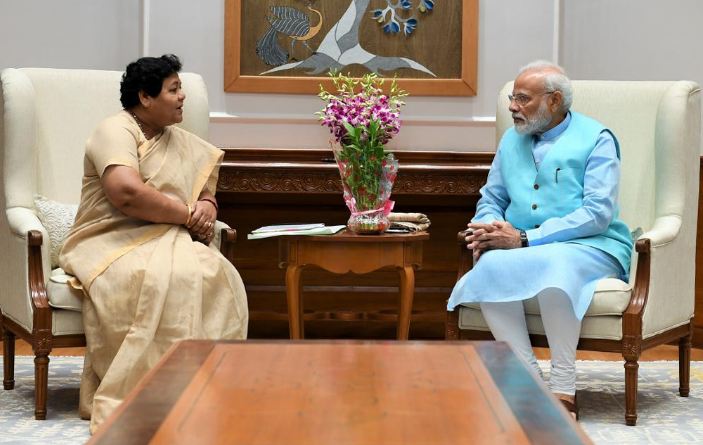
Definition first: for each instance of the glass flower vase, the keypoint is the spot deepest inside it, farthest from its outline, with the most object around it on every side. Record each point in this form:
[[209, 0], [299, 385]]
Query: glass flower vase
[[367, 183], [371, 222]]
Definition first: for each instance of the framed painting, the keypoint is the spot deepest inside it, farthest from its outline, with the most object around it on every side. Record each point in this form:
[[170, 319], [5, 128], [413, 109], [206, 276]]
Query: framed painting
[[289, 46]]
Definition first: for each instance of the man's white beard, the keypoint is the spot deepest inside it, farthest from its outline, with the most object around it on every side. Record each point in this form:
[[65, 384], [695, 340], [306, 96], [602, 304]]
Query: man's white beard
[[537, 123]]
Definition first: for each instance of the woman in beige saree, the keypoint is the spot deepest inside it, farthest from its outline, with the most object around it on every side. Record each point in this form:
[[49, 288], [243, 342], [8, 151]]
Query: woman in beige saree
[[139, 245]]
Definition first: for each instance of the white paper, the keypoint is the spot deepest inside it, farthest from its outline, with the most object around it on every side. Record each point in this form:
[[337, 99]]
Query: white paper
[[286, 227], [324, 230]]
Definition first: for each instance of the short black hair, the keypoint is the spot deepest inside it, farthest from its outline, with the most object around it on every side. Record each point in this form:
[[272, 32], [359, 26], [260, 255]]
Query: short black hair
[[146, 74]]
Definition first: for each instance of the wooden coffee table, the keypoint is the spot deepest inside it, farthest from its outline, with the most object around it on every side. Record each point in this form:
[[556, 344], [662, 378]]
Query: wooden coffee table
[[347, 252], [340, 392]]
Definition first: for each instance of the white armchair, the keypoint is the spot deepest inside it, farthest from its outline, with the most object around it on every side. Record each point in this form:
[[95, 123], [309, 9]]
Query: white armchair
[[658, 126], [46, 116]]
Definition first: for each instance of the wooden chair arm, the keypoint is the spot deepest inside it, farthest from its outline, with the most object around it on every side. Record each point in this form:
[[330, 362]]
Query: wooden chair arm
[[464, 264], [228, 237], [37, 287], [632, 317], [466, 260]]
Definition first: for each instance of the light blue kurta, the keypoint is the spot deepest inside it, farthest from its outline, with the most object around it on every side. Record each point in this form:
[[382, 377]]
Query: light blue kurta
[[550, 261]]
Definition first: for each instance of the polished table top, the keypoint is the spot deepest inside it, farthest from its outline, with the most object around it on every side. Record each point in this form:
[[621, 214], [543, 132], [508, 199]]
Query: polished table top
[[340, 392]]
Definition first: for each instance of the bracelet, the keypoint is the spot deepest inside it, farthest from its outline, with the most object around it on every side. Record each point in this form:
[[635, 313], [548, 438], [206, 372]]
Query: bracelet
[[190, 214], [211, 201]]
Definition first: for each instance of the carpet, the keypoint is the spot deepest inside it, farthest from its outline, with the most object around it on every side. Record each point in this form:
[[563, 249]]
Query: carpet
[[664, 417]]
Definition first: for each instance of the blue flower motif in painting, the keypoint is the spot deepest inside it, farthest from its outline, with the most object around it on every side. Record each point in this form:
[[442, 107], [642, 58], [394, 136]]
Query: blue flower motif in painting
[[392, 27], [409, 26], [393, 15]]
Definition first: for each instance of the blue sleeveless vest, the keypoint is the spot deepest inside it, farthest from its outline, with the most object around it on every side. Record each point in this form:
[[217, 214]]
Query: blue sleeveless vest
[[556, 188]]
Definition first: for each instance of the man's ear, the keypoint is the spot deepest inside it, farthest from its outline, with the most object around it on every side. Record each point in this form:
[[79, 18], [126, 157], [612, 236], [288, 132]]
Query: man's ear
[[555, 101]]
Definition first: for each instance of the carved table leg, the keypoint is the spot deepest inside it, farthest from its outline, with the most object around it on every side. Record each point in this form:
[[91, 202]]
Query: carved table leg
[[295, 303], [684, 365], [8, 380], [407, 289]]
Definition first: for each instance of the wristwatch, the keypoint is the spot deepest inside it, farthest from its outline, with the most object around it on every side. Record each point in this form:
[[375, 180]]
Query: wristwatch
[[523, 239]]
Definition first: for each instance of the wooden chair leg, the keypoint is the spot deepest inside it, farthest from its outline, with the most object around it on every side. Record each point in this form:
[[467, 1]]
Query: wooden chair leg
[[41, 384], [684, 365], [631, 367], [451, 325], [8, 347]]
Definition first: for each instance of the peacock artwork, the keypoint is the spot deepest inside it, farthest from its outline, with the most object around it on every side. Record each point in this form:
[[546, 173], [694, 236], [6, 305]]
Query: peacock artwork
[[306, 37]]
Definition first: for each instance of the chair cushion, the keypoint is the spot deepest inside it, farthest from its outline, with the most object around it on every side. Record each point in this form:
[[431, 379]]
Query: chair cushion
[[57, 218], [603, 318], [61, 294], [607, 327], [610, 298], [66, 322]]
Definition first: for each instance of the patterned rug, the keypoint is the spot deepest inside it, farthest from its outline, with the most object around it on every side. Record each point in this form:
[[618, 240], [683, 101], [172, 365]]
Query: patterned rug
[[664, 417], [62, 425]]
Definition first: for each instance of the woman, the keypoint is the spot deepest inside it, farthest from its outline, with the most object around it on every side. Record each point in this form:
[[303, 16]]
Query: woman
[[139, 245]]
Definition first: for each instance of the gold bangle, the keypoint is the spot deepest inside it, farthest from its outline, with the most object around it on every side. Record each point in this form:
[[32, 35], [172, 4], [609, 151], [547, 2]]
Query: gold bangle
[[190, 214]]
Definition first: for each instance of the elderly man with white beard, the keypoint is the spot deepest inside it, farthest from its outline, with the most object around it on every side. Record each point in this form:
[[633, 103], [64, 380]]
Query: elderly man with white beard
[[546, 225]]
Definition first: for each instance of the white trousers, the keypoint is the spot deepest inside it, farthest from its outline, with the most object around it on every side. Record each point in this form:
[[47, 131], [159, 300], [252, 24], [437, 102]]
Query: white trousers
[[507, 323]]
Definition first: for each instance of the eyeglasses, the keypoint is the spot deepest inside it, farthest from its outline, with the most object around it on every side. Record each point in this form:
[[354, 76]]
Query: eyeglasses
[[524, 99]]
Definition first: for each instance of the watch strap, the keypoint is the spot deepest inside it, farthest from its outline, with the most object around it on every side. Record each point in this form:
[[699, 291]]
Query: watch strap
[[523, 239]]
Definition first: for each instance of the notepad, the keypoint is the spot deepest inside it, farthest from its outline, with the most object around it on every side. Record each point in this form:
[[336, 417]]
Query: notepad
[[324, 230], [287, 227]]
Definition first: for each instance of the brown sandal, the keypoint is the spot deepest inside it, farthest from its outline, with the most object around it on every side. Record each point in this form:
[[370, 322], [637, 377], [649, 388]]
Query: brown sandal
[[571, 407]]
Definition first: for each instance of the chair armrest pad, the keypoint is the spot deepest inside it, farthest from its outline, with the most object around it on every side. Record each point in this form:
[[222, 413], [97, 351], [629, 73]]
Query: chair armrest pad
[[664, 230], [21, 220]]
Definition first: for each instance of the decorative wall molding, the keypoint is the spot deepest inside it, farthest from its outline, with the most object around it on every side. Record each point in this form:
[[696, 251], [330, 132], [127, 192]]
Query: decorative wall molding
[[314, 171], [241, 178], [308, 119]]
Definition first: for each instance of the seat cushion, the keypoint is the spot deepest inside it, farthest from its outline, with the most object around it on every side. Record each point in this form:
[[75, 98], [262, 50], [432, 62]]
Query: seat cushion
[[603, 318], [607, 327], [61, 294], [610, 298], [66, 322]]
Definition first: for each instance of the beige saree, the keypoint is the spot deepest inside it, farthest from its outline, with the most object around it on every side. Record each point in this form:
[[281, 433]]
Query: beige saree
[[146, 285]]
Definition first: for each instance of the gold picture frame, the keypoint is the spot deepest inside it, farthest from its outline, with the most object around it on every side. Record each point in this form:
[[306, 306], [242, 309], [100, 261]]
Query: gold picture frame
[[239, 76]]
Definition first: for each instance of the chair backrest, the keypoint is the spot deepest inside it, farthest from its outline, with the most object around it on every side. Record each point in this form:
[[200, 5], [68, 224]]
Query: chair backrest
[[48, 114], [658, 127]]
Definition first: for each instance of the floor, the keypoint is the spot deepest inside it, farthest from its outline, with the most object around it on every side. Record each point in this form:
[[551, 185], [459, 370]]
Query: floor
[[664, 352]]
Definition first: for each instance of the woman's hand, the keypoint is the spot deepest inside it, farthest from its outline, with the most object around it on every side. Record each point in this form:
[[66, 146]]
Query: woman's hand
[[202, 221]]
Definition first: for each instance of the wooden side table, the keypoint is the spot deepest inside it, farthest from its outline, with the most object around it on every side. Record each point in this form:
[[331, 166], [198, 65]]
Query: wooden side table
[[347, 252]]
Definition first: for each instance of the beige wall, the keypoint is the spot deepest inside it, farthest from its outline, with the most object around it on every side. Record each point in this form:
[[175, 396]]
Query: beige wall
[[597, 39]]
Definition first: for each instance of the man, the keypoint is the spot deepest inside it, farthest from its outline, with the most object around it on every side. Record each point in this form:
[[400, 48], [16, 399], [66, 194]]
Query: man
[[546, 224]]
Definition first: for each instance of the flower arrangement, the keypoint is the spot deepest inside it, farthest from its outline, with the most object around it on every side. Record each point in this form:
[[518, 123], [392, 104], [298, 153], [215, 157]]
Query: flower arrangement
[[362, 119]]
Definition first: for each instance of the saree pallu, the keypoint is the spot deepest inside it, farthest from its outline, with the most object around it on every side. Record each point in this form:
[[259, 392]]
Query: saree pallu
[[146, 285]]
